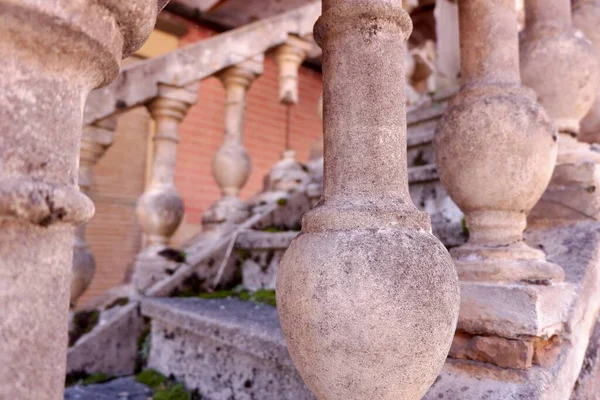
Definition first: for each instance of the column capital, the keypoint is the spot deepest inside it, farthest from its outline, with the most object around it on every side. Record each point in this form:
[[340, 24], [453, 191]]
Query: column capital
[[174, 101], [244, 73]]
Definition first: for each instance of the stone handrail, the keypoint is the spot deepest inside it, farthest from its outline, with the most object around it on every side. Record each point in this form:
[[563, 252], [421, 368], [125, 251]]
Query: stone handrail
[[138, 83]]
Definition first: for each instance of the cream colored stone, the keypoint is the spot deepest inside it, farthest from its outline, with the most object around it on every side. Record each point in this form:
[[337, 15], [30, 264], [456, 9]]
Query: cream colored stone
[[95, 141], [231, 164], [53, 54], [586, 17], [289, 57], [448, 52], [495, 149], [568, 89], [160, 208], [368, 298]]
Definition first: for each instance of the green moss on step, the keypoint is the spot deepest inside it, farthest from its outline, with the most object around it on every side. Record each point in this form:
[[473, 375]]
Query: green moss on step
[[97, 378], [282, 201], [151, 378], [83, 322], [272, 229], [261, 296], [174, 392], [121, 301]]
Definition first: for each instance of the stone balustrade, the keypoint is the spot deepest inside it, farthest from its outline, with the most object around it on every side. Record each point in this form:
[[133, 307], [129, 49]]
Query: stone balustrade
[[54, 53], [138, 83], [160, 208], [95, 141], [231, 164]]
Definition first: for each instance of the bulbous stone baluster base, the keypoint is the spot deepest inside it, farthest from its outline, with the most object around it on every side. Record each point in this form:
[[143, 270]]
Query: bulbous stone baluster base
[[361, 322]]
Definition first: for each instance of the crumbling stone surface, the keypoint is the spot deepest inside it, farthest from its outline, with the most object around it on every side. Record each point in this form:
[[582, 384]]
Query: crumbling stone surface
[[505, 353], [587, 386], [112, 346], [224, 348], [118, 389]]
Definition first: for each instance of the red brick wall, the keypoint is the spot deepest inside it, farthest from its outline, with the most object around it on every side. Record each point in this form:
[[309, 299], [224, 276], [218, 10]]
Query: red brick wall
[[264, 131], [114, 235]]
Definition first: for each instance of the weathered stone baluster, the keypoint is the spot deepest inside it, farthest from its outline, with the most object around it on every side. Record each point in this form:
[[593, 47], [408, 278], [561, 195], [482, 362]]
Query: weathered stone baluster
[[95, 141], [558, 62], [367, 296], [586, 17], [495, 149], [53, 53], [160, 208], [231, 165]]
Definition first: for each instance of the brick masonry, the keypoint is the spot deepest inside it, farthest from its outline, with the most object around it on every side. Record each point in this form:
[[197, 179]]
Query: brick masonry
[[114, 235]]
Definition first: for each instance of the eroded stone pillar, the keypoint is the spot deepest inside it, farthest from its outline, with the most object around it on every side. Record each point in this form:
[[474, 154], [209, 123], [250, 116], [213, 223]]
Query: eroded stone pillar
[[231, 165], [160, 208], [447, 45], [367, 296], [495, 149], [558, 62], [53, 53], [586, 17], [95, 141]]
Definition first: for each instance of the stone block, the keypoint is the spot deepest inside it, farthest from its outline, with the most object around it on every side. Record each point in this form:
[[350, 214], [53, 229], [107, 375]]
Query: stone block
[[111, 347], [226, 349], [513, 310], [505, 353]]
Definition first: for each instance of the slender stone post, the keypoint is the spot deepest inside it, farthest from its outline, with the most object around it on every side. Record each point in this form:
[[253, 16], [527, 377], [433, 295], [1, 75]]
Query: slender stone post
[[53, 53], [95, 141], [558, 62], [586, 17], [367, 296], [160, 208], [231, 165], [495, 149], [289, 57]]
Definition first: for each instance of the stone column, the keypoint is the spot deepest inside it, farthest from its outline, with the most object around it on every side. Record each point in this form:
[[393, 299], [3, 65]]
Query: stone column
[[367, 296], [495, 149], [95, 141], [53, 54], [160, 208], [448, 52], [558, 62], [231, 165], [586, 17]]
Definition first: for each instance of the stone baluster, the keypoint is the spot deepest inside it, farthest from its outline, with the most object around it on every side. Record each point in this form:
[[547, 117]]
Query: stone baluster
[[558, 62], [287, 174], [367, 296], [315, 163], [53, 54], [160, 208], [231, 164], [586, 17], [495, 149], [95, 141]]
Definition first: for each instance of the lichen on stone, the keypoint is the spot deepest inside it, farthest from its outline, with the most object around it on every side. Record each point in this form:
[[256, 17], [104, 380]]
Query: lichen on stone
[[83, 322]]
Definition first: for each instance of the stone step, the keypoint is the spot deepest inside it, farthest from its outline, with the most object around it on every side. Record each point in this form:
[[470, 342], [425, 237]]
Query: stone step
[[119, 389], [226, 349]]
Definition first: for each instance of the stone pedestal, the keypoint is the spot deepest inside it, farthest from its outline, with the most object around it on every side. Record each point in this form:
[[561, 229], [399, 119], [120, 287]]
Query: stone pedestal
[[567, 91], [95, 141], [160, 208], [53, 53], [231, 165], [367, 296], [495, 149]]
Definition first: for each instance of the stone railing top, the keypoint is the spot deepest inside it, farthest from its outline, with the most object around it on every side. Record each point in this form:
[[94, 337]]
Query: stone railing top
[[138, 83]]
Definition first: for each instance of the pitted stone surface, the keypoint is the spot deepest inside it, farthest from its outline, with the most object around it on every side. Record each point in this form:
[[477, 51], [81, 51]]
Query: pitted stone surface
[[224, 348]]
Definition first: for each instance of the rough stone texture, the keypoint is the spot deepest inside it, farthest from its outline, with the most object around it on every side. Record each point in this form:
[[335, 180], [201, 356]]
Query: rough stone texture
[[587, 386], [137, 84], [111, 347], [118, 389], [577, 249], [368, 298], [224, 348], [54, 53]]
